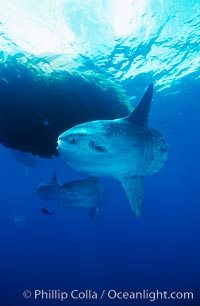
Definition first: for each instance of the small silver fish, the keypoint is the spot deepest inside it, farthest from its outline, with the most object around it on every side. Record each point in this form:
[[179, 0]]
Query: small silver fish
[[45, 211]]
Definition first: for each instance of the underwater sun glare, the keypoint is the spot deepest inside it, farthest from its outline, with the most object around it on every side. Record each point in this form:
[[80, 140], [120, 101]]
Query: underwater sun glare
[[61, 26], [128, 38]]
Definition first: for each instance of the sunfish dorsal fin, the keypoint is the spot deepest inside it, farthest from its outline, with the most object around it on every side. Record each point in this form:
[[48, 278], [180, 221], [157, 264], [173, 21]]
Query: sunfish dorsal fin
[[139, 115], [54, 179]]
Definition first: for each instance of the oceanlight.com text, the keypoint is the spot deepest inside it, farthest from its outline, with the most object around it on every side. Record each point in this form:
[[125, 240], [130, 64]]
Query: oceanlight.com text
[[112, 295]]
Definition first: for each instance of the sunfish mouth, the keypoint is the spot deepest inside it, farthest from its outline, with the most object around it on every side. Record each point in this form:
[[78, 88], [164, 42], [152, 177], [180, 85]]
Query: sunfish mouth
[[65, 145], [61, 141]]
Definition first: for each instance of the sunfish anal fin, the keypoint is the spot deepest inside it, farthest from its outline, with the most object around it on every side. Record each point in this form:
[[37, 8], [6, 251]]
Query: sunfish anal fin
[[93, 212], [134, 189], [139, 115]]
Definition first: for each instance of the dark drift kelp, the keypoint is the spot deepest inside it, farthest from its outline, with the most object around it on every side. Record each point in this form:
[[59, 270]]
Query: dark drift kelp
[[38, 102]]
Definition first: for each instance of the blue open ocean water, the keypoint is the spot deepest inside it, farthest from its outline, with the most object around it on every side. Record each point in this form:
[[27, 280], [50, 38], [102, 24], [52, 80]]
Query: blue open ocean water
[[67, 259]]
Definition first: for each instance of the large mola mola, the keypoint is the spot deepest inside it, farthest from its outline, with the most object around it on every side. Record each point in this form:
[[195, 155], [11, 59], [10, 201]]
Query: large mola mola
[[125, 149]]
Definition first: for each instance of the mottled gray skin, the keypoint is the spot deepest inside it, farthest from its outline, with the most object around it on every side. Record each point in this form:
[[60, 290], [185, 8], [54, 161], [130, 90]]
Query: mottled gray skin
[[113, 148], [125, 149], [87, 193]]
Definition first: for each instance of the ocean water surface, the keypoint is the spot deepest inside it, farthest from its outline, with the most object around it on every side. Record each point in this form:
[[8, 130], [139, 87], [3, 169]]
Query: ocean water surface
[[133, 43]]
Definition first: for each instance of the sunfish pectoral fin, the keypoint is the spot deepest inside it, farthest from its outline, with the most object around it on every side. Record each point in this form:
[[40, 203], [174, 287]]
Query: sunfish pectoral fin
[[134, 189]]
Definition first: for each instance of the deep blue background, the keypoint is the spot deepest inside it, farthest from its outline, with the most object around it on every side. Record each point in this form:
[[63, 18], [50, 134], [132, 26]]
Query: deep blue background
[[161, 250]]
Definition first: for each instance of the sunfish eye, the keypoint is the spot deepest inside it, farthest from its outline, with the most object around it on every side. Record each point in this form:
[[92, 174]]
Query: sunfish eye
[[91, 144], [73, 140], [73, 195]]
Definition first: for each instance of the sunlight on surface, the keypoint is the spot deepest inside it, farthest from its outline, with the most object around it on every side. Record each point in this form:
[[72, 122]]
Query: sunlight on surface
[[122, 15], [126, 38], [31, 28], [45, 28], [129, 16]]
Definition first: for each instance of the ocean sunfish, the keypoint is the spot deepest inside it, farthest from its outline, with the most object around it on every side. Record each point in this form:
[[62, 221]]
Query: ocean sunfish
[[124, 149], [86, 193]]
